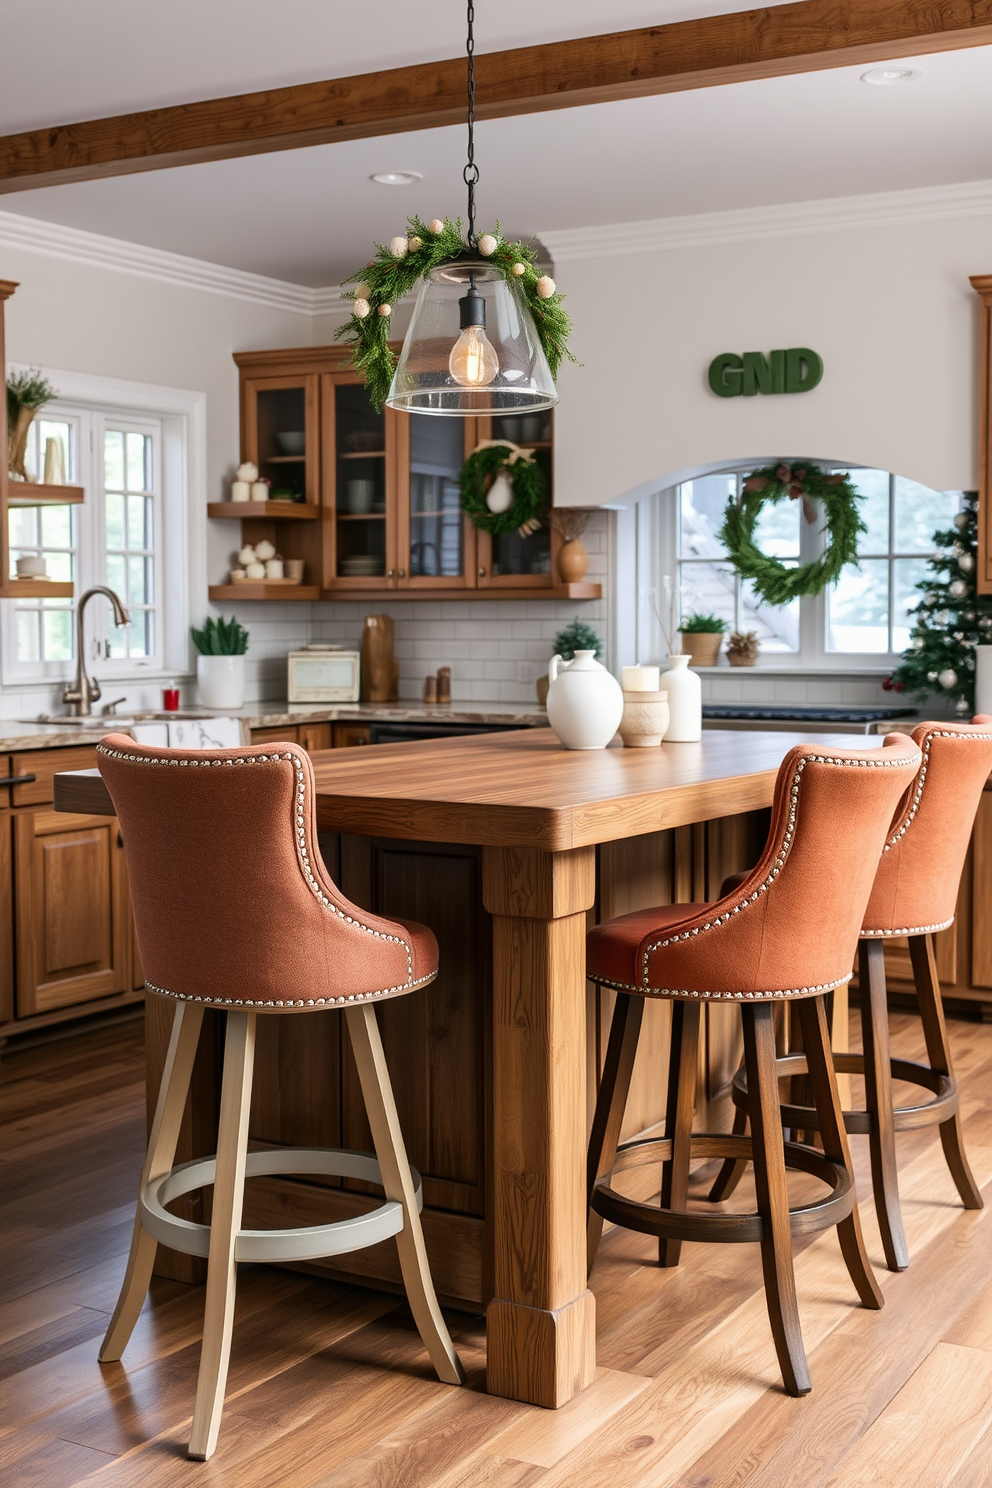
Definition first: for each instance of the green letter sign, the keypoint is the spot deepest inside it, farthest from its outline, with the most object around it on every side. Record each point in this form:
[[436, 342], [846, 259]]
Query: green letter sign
[[794, 371]]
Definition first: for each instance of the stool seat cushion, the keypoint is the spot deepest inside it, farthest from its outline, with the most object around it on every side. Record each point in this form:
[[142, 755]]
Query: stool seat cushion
[[613, 950]]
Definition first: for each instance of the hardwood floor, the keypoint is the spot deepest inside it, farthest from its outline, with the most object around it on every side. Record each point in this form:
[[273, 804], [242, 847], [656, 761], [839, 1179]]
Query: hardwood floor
[[330, 1385]]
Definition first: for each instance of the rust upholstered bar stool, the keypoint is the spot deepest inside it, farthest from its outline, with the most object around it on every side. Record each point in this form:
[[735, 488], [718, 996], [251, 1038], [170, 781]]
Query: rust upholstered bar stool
[[234, 910], [914, 895], [788, 932]]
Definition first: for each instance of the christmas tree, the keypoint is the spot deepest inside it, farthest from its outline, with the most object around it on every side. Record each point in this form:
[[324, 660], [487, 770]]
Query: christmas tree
[[951, 619]]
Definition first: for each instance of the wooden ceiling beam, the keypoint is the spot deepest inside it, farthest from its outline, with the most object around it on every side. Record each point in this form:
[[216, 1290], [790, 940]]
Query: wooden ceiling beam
[[711, 50]]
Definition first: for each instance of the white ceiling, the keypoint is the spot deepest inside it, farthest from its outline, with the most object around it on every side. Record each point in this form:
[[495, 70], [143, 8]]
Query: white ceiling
[[310, 216]]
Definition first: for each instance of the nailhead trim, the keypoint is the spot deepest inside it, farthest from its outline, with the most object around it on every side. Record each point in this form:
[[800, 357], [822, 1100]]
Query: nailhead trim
[[914, 806], [910, 929], [659, 945], [289, 1002], [692, 992], [307, 871]]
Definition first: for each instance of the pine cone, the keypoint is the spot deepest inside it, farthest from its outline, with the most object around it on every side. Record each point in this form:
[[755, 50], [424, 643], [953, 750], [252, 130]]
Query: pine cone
[[743, 648]]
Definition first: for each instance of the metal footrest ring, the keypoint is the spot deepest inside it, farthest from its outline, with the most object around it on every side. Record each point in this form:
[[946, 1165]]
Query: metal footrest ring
[[648, 1219], [306, 1244], [905, 1118]]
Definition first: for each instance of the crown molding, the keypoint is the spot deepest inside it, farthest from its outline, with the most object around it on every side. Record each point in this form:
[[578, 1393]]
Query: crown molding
[[73, 244], [791, 219]]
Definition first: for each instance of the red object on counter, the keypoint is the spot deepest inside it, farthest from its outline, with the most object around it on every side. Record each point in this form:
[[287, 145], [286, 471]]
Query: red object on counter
[[170, 699]]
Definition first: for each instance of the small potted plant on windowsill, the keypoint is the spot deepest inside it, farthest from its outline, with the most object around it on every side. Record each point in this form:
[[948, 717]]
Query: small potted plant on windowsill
[[220, 665], [702, 637], [576, 636]]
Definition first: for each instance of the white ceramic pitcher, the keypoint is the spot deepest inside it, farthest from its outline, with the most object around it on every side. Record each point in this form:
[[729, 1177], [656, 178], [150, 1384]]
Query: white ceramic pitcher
[[585, 703]]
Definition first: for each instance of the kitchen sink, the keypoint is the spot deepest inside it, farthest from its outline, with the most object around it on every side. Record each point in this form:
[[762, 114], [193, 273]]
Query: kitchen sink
[[108, 722]]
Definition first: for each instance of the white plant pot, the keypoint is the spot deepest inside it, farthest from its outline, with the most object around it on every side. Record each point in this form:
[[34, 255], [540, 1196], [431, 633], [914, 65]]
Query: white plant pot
[[585, 703], [221, 681], [983, 679], [685, 702]]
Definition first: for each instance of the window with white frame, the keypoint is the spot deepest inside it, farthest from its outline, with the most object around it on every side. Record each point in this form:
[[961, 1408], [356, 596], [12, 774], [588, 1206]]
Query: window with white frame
[[864, 617], [130, 534]]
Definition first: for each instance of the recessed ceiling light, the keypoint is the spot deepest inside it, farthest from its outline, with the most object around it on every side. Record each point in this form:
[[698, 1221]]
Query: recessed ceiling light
[[886, 77], [397, 178]]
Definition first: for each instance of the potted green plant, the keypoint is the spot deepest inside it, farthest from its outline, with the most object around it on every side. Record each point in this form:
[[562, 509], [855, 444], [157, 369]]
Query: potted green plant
[[26, 393], [220, 665], [575, 636], [702, 637]]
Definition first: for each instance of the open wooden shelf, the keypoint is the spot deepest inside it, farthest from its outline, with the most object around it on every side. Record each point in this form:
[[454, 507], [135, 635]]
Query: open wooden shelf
[[284, 460], [362, 455], [278, 511], [424, 591], [35, 589], [36, 493], [259, 589]]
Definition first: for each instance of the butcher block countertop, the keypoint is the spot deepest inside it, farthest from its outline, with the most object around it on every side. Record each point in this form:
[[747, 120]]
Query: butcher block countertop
[[522, 789]]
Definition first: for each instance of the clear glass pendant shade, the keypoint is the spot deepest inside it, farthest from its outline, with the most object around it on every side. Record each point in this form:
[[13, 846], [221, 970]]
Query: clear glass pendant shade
[[449, 366]]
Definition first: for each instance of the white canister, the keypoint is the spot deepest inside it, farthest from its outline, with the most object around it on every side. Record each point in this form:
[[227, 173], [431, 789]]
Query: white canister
[[685, 702], [240, 491], [273, 568], [983, 679], [221, 681], [585, 703], [260, 490]]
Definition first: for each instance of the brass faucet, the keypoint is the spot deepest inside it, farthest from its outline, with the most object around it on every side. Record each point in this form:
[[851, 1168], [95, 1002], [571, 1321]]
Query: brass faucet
[[84, 692]]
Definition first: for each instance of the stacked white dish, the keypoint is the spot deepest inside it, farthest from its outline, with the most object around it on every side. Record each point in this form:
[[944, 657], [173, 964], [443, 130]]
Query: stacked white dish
[[361, 565]]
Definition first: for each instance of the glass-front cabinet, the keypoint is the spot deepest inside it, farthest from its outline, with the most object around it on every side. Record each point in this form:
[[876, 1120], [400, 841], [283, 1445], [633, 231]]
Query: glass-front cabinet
[[371, 501]]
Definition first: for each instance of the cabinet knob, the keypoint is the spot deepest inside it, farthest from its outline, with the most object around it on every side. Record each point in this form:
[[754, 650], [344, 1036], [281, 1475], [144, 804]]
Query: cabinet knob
[[402, 573], [390, 573], [482, 573]]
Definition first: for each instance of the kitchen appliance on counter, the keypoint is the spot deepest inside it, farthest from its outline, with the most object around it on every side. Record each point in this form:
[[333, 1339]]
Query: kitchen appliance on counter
[[323, 674]]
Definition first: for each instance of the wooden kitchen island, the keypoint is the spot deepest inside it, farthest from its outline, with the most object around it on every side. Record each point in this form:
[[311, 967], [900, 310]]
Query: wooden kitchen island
[[508, 846]]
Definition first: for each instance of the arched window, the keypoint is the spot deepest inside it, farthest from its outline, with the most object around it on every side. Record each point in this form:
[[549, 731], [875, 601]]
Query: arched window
[[863, 617]]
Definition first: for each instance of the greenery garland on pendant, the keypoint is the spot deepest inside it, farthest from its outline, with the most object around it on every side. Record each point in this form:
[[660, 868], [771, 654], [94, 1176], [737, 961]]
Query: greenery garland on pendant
[[775, 583], [396, 269], [478, 474]]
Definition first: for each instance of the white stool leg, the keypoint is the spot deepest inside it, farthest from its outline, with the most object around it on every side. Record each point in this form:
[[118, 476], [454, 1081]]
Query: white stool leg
[[395, 1167], [162, 1141], [229, 1190]]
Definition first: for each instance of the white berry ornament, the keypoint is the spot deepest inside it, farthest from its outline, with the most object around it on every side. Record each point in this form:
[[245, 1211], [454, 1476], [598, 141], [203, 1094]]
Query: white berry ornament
[[415, 244], [947, 678], [264, 551], [361, 292], [961, 521], [435, 226], [361, 308], [519, 270], [966, 563], [398, 247], [499, 497], [545, 287], [488, 245], [958, 589], [385, 309]]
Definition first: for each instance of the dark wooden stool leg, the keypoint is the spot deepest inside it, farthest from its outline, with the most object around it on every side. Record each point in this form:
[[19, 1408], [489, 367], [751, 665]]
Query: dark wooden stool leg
[[733, 1169], [625, 1030], [826, 1098], [773, 1195], [678, 1118], [878, 1101], [939, 1054]]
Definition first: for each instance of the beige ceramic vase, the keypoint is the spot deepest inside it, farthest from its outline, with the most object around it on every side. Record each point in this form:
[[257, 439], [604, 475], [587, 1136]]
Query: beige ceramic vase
[[573, 561], [645, 719]]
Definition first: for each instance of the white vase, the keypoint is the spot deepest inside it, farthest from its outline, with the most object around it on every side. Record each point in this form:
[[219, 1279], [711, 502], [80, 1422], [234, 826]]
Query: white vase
[[685, 702], [585, 703], [221, 681], [983, 679]]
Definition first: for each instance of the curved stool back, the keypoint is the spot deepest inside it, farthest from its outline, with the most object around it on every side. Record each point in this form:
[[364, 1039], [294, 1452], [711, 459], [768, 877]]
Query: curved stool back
[[787, 931], [235, 910]]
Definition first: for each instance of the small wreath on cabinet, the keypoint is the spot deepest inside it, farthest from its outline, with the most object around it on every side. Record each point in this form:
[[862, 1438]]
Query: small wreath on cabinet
[[502, 489], [774, 581]]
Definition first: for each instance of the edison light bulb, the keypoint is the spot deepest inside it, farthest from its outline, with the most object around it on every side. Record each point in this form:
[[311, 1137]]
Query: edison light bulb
[[473, 362]]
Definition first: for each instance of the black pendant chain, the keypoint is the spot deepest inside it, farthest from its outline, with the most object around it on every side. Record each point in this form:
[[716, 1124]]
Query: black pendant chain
[[470, 175]]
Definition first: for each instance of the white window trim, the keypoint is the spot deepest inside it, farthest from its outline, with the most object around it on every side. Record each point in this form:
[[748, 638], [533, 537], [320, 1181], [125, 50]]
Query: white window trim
[[183, 416], [648, 542]]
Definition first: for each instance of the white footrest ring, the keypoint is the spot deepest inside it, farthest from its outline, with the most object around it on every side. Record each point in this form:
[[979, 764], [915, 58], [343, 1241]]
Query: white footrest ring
[[306, 1244]]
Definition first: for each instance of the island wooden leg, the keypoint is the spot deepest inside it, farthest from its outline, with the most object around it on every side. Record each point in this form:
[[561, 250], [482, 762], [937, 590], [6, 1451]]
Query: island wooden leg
[[541, 1323]]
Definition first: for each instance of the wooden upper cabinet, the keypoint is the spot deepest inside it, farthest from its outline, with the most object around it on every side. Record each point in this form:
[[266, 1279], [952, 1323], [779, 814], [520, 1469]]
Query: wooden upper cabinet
[[982, 284], [378, 510]]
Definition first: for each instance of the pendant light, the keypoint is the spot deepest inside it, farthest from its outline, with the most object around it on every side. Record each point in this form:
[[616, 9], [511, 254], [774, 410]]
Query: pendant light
[[473, 346]]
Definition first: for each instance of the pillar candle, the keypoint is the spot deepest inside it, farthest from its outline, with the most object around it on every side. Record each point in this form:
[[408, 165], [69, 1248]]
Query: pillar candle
[[640, 678]]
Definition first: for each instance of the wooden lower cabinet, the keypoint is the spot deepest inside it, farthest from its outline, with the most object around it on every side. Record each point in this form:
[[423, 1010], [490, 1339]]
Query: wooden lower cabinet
[[72, 912], [348, 735]]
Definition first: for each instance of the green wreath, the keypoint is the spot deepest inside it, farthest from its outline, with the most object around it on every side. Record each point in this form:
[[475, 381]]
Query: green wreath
[[477, 475], [772, 580], [395, 271]]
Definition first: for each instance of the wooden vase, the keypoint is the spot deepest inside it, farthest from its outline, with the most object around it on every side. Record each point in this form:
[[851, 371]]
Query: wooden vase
[[380, 670], [573, 560], [17, 442]]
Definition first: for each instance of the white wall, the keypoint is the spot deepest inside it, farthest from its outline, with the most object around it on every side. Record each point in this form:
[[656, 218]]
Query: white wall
[[888, 308]]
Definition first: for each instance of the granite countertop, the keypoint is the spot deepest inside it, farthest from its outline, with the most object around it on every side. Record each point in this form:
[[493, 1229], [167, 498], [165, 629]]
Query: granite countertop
[[15, 735]]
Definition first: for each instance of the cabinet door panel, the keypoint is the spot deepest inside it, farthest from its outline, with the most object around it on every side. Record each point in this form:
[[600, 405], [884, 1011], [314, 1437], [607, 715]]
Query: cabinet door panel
[[314, 736], [6, 919], [73, 925], [287, 735]]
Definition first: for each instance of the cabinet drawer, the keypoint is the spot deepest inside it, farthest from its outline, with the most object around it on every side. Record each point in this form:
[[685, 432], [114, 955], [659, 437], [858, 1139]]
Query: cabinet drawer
[[287, 735], [346, 735], [43, 764]]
